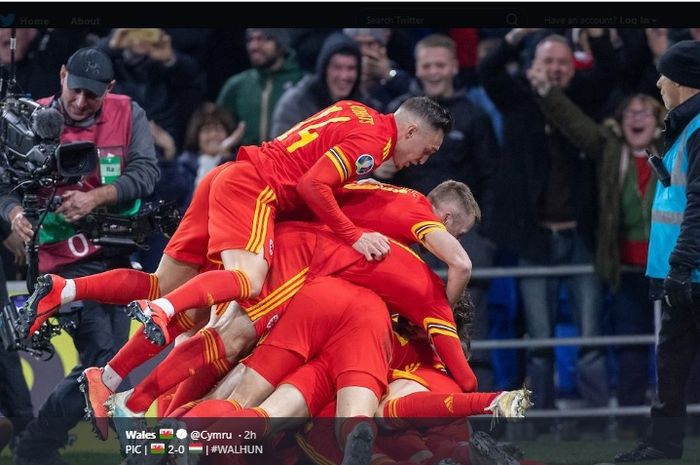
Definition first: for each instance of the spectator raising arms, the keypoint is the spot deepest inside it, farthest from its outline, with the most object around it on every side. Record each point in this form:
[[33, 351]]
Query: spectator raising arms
[[626, 187]]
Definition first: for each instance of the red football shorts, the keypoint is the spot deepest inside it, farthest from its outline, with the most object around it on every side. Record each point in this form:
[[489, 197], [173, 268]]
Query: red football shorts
[[332, 316], [315, 384], [232, 209]]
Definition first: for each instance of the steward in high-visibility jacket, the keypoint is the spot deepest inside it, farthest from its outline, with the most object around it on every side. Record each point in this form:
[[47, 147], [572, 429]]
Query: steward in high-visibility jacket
[[674, 253], [674, 241]]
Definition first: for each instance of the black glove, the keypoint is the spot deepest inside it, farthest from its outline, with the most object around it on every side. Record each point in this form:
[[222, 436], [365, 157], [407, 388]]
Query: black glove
[[677, 288]]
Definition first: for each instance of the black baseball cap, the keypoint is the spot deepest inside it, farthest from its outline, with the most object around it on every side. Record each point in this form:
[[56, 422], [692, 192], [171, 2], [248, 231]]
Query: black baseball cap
[[90, 69]]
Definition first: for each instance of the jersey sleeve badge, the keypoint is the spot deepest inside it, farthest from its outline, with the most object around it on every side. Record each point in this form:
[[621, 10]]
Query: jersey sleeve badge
[[364, 164]]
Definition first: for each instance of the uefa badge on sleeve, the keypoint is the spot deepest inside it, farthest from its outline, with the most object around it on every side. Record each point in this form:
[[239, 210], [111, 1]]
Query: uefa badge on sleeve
[[364, 164]]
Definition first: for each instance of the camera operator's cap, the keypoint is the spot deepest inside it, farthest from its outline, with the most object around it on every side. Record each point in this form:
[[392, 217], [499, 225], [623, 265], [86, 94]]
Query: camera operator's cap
[[90, 69], [681, 63]]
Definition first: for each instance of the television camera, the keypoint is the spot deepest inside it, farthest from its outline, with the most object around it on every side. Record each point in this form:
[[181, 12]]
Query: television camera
[[34, 163]]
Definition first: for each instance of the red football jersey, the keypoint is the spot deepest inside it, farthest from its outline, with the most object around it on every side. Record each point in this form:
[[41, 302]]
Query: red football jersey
[[398, 212], [353, 136], [408, 286], [294, 247], [410, 353]]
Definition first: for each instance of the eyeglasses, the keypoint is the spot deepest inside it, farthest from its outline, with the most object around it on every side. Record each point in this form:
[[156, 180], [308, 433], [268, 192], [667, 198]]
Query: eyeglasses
[[638, 113]]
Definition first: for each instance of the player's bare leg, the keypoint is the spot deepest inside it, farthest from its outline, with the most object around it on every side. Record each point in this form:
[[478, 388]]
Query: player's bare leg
[[252, 389], [286, 408], [225, 388], [253, 265], [236, 330], [52, 291], [397, 389], [173, 273], [249, 272]]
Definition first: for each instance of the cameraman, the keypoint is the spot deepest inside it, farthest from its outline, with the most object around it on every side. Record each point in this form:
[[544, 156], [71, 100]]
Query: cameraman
[[15, 400], [127, 171]]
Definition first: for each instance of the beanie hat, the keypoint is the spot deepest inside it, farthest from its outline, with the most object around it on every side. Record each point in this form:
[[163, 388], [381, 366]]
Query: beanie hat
[[681, 63], [279, 34]]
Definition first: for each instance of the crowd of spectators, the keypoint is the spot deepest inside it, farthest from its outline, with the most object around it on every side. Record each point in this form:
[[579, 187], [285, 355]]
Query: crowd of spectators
[[551, 133]]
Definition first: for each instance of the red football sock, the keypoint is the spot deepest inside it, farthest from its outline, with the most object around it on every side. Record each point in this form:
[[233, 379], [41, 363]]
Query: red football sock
[[138, 349], [118, 287], [163, 403], [419, 406], [204, 413], [214, 408], [182, 410], [379, 458], [450, 351], [210, 288], [202, 349], [349, 423], [195, 387]]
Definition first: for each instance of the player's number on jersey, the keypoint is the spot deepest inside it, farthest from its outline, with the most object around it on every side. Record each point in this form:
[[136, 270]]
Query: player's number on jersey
[[307, 134]]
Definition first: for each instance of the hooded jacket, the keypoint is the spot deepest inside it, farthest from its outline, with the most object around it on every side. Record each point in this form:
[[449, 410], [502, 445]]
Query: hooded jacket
[[311, 94]]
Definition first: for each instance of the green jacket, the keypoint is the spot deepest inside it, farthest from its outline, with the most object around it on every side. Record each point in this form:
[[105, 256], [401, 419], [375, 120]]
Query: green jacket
[[251, 96], [604, 144]]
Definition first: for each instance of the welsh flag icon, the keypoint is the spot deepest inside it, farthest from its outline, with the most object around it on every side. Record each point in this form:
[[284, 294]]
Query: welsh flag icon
[[157, 448]]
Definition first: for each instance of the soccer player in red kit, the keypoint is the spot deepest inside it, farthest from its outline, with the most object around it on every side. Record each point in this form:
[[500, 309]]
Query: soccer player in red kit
[[421, 394], [331, 318], [410, 218], [420, 390], [435, 222], [401, 279], [401, 213], [233, 209], [210, 350]]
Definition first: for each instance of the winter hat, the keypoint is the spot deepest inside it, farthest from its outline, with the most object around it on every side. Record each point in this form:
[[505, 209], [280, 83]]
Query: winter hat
[[279, 34], [681, 63]]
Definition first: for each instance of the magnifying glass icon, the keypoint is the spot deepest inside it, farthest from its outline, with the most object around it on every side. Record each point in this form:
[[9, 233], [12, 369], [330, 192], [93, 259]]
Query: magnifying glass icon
[[512, 19]]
